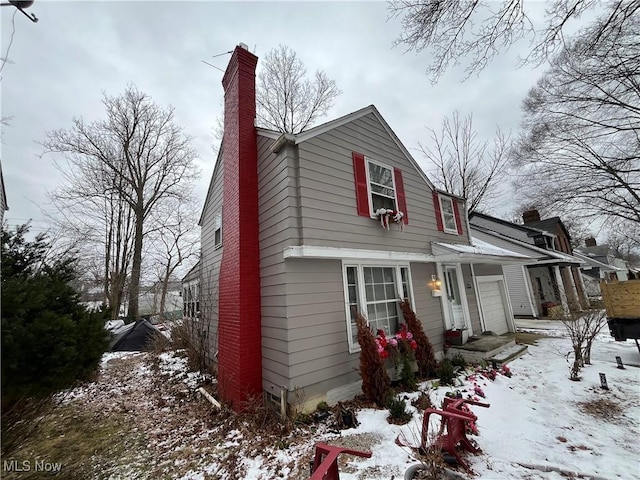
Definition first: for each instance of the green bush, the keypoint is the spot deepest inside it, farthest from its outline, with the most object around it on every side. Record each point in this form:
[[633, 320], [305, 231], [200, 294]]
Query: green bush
[[445, 372], [458, 361], [407, 375], [398, 410], [49, 340]]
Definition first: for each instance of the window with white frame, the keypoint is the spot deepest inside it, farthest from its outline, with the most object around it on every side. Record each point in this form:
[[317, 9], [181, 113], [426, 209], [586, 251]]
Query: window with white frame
[[374, 291], [217, 229], [381, 186], [448, 215]]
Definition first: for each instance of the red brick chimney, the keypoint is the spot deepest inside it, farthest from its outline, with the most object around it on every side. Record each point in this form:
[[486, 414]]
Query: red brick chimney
[[239, 327], [531, 216], [590, 242]]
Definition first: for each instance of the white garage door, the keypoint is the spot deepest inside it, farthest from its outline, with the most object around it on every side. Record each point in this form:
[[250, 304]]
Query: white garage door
[[493, 307]]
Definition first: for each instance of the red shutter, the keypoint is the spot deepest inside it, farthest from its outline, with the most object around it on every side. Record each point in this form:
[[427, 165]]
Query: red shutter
[[456, 212], [362, 192], [402, 200], [436, 206]]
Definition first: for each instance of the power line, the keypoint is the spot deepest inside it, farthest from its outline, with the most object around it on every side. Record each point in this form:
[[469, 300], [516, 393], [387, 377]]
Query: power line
[[13, 32]]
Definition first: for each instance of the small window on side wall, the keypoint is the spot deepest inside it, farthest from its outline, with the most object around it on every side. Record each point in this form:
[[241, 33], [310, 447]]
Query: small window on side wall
[[217, 230], [447, 214]]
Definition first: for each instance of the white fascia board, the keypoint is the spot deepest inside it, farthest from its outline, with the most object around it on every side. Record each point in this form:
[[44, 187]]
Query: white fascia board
[[311, 251], [478, 258]]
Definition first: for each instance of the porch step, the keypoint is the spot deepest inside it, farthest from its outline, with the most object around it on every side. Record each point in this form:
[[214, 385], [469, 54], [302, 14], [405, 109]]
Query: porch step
[[508, 354]]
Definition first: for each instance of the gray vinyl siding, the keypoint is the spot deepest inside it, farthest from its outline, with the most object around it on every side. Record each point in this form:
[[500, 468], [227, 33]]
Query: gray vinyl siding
[[484, 269], [472, 300], [210, 258], [317, 350], [277, 209], [427, 307], [328, 210]]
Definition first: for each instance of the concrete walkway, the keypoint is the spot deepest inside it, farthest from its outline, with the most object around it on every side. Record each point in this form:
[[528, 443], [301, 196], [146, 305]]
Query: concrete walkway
[[544, 324]]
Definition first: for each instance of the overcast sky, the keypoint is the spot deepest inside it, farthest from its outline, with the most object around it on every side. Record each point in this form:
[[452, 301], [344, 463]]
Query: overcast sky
[[59, 67]]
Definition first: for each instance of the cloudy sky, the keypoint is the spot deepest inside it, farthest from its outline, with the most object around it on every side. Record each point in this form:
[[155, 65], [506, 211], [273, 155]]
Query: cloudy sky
[[59, 68]]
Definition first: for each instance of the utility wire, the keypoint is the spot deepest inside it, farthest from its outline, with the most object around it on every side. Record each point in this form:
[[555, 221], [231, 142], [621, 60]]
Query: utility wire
[[13, 31]]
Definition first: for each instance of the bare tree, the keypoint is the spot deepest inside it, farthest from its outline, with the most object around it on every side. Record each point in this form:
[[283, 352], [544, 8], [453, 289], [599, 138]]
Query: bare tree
[[476, 31], [145, 151], [286, 100], [580, 150], [175, 243], [95, 219], [465, 166]]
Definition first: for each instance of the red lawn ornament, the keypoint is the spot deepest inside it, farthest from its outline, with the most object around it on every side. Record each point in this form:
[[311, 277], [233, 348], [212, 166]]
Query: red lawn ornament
[[455, 420], [327, 468]]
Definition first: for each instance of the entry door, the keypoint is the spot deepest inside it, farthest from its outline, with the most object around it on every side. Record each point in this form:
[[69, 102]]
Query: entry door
[[454, 300]]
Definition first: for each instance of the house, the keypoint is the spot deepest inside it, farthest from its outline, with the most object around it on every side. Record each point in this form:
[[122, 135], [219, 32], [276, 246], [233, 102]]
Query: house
[[298, 229], [598, 255], [552, 276]]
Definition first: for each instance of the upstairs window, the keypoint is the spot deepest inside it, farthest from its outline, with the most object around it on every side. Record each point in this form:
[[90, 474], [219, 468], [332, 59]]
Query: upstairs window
[[378, 186], [447, 214], [381, 187], [217, 230]]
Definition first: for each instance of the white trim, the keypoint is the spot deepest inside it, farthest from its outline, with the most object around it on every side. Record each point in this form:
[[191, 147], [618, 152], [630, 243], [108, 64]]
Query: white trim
[[506, 302], [313, 251], [463, 297], [529, 289], [453, 212], [483, 323], [362, 294]]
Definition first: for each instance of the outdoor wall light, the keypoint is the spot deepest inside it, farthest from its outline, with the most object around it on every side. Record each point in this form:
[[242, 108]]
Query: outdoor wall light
[[435, 285]]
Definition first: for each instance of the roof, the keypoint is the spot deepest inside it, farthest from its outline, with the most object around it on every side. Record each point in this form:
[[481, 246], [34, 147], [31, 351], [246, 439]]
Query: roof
[[542, 255], [191, 272], [210, 189], [525, 228], [479, 252], [592, 262], [549, 225], [2, 190]]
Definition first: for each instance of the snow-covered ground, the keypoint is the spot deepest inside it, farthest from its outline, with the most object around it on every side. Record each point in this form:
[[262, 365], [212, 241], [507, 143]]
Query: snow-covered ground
[[540, 424], [537, 425]]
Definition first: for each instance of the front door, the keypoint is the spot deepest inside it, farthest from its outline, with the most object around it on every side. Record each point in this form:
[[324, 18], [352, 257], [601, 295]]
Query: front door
[[454, 299]]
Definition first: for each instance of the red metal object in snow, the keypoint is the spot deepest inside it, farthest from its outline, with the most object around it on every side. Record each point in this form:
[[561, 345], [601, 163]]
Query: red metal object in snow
[[325, 461], [454, 423]]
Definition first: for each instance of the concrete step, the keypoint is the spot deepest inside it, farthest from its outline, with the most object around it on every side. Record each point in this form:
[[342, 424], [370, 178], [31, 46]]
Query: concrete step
[[508, 354]]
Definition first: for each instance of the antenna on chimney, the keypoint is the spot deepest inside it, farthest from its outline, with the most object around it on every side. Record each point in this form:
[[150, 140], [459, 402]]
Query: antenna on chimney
[[218, 55], [21, 5]]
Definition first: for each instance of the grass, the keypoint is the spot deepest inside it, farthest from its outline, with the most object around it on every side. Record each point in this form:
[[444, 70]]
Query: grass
[[83, 443]]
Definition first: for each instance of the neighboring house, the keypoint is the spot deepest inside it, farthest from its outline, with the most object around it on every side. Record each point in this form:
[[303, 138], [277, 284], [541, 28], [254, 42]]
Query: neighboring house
[[293, 239], [151, 295], [552, 276], [616, 268], [191, 293], [3, 197]]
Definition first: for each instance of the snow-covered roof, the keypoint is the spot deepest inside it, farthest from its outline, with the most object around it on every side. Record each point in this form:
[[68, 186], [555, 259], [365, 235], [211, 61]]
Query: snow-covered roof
[[480, 251]]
